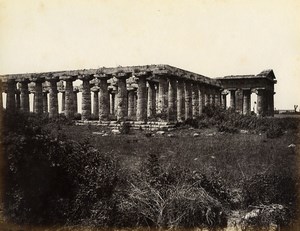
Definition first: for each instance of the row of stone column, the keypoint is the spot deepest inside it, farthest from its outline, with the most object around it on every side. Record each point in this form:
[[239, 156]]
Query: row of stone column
[[169, 98], [265, 101]]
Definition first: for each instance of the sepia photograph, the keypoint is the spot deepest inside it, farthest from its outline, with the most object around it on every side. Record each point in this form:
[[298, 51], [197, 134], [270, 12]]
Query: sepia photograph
[[133, 115]]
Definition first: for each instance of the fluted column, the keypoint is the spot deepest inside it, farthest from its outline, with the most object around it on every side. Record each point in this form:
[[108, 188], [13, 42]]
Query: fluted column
[[172, 99], [151, 110], [104, 97], [112, 96], [45, 102], [69, 96], [141, 112], [206, 97], [131, 112], [195, 100], [1, 99], [18, 99], [212, 97], [53, 100], [180, 100], [261, 102], [271, 103], [75, 100], [122, 107], [232, 99], [188, 100], [201, 99], [38, 95], [86, 97], [163, 97], [63, 101], [246, 101], [24, 97], [224, 100], [10, 97], [95, 102], [218, 98]]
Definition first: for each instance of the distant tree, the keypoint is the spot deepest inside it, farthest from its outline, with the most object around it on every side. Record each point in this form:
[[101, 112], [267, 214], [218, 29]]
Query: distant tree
[[295, 107]]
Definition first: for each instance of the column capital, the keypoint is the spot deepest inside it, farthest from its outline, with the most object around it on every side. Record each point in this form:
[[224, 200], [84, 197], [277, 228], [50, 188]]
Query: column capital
[[37, 78], [123, 75], [52, 78], [104, 76], [67, 78], [95, 89], [86, 77]]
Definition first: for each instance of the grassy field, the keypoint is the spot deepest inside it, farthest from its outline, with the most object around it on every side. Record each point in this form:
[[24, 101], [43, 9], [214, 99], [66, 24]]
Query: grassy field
[[233, 156], [243, 163]]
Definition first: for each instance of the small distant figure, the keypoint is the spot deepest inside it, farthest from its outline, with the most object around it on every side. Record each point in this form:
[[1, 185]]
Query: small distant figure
[[295, 108]]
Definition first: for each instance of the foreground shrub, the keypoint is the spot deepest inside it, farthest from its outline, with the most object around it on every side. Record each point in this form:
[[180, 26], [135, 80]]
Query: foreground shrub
[[51, 180]]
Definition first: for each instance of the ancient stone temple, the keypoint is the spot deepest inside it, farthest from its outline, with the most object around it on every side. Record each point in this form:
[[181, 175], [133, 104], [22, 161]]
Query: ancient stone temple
[[135, 93]]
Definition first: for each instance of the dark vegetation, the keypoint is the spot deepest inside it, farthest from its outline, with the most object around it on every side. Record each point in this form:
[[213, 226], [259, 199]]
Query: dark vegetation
[[57, 173]]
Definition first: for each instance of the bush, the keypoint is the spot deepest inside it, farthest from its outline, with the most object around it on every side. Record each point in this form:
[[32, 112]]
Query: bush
[[51, 180]]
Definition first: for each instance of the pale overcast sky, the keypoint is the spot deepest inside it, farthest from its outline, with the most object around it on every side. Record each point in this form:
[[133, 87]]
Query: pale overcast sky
[[210, 37]]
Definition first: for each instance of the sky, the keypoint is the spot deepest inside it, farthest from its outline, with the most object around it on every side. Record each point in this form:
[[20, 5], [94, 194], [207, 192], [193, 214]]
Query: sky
[[214, 38]]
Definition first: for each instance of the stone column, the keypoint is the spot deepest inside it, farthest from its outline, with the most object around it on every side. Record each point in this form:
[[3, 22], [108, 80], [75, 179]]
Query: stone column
[[246, 101], [224, 100], [232, 98], [201, 99], [172, 100], [239, 101], [10, 97], [180, 100], [104, 97], [272, 103], [206, 97], [131, 111], [141, 112], [122, 107], [69, 96], [261, 102], [195, 100], [24, 96], [18, 100], [95, 102], [151, 110], [112, 102], [1, 99], [45, 102], [38, 95], [218, 98], [75, 100], [163, 97], [63, 101], [53, 100], [188, 100], [212, 97], [86, 97]]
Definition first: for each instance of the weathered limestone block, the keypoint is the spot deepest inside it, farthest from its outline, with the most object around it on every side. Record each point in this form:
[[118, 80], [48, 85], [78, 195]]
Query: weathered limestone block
[[188, 100], [180, 101], [172, 100]]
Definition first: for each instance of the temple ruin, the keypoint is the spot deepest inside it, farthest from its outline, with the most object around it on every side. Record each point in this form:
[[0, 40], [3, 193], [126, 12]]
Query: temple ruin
[[136, 93]]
